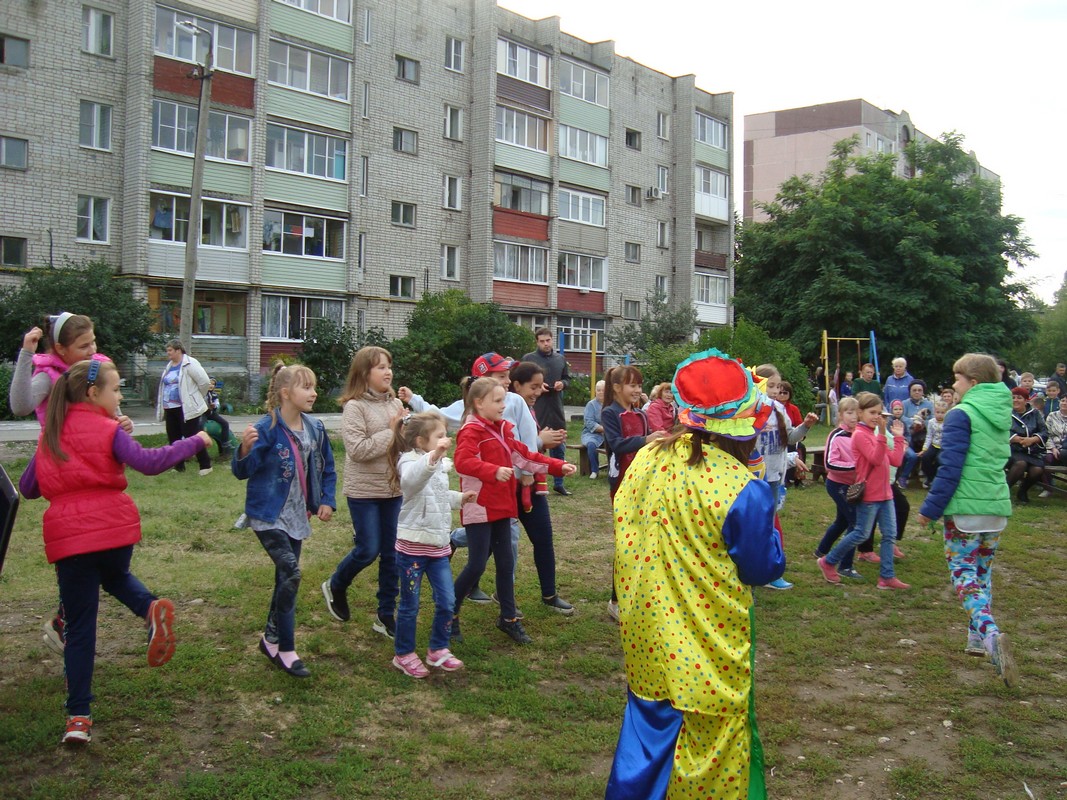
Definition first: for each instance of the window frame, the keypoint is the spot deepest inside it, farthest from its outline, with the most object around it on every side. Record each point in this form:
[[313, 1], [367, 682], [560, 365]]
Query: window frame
[[453, 123], [334, 147], [400, 220], [90, 216], [706, 126], [406, 65], [577, 333], [332, 62], [23, 244], [505, 59], [581, 271], [455, 50], [631, 252], [303, 316], [634, 195], [631, 309], [399, 137], [601, 92], [587, 203], [6, 54], [632, 133], [452, 189], [450, 257], [6, 153], [506, 189], [166, 301], [663, 178], [303, 5], [712, 177], [218, 45], [663, 125], [541, 127], [328, 224], [578, 144], [529, 267], [225, 210], [663, 234], [400, 282], [91, 31], [706, 295], [191, 114]]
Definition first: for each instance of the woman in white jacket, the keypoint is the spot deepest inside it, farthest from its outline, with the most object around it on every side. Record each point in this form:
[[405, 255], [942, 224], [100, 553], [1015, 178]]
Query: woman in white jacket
[[422, 547], [180, 402]]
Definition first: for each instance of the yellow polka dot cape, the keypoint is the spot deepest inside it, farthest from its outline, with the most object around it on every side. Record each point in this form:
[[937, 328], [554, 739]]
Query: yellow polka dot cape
[[684, 611]]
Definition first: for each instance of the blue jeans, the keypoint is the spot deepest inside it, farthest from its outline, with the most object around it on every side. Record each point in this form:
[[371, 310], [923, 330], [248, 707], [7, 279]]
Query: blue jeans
[[560, 452], [439, 571], [866, 515], [284, 551], [483, 537], [845, 520], [594, 457], [910, 459], [80, 580], [374, 523]]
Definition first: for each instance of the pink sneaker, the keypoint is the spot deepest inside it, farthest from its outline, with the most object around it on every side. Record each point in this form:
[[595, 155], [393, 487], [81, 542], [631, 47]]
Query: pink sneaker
[[443, 659], [898, 553], [892, 583], [828, 571], [160, 632], [872, 558], [411, 665]]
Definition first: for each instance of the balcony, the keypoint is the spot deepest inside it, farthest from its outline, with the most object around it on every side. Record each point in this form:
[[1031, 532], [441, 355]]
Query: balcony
[[705, 258]]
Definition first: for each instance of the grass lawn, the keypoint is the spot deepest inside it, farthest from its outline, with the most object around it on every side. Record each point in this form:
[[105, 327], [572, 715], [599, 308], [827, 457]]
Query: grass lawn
[[860, 693]]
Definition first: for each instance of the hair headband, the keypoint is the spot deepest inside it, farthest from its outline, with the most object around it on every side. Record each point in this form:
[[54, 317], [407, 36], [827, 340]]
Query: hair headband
[[94, 370], [58, 321]]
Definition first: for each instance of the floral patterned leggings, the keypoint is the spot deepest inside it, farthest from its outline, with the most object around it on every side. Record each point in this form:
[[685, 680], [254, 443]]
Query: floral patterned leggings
[[970, 563]]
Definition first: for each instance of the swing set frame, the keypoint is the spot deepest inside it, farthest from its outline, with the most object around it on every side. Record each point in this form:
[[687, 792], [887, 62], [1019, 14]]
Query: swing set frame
[[825, 357]]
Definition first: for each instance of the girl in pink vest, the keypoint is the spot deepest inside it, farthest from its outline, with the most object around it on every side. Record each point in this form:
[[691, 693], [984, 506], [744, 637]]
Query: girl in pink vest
[[91, 524]]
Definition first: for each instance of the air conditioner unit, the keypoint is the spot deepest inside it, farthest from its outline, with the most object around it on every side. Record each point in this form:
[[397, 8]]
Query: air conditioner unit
[[653, 193], [583, 290]]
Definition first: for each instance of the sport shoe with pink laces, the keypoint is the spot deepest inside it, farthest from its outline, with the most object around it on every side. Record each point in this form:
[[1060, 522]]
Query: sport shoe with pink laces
[[892, 583], [443, 659], [872, 558], [828, 571], [411, 665]]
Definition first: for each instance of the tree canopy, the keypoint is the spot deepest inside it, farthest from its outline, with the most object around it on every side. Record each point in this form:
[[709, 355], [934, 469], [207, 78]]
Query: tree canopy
[[926, 262], [122, 322]]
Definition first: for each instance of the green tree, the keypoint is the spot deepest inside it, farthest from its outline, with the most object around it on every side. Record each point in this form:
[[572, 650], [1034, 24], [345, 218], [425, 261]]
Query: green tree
[[661, 325], [1049, 345], [328, 349], [121, 321], [925, 261], [446, 332]]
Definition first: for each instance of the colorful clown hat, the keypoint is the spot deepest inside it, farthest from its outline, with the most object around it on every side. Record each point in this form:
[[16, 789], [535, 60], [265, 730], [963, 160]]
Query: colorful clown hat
[[718, 394]]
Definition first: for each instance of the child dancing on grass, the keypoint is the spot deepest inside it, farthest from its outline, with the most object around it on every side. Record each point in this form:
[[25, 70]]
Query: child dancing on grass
[[287, 460], [91, 524]]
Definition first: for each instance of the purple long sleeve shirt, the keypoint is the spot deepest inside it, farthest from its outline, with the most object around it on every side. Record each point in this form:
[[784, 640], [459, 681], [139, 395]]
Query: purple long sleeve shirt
[[127, 450]]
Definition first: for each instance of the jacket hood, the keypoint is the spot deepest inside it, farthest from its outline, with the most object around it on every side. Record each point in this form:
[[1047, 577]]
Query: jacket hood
[[991, 402]]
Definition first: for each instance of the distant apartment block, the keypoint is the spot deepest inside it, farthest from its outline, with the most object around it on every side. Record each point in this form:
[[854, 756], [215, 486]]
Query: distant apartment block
[[799, 141], [360, 155]]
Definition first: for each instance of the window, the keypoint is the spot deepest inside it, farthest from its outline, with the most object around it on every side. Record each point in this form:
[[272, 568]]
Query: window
[[520, 193], [401, 286], [522, 63], [663, 176], [704, 240], [711, 289], [407, 69], [308, 71], [578, 333], [14, 153], [631, 309], [365, 105], [868, 139], [364, 175], [361, 252], [583, 272], [710, 131], [366, 26], [633, 139], [174, 128], [215, 313], [529, 321], [454, 53], [306, 153], [12, 251], [403, 214], [449, 262], [633, 252], [93, 219], [233, 46], [453, 123], [222, 224], [303, 235], [711, 182], [516, 262], [581, 207], [663, 125], [522, 129], [663, 234], [633, 195], [881, 145], [96, 31], [286, 317], [452, 193], [14, 52], [583, 83], [405, 141], [582, 145], [663, 284], [94, 126], [340, 10]]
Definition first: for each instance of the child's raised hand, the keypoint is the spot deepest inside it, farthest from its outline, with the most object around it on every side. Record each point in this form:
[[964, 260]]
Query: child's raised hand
[[811, 418], [442, 446], [897, 428], [248, 438], [569, 469], [32, 337], [504, 474], [468, 497], [205, 437], [324, 513], [405, 394]]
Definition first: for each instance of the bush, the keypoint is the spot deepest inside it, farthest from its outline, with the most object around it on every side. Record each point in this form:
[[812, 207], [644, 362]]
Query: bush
[[328, 349], [6, 371], [577, 392]]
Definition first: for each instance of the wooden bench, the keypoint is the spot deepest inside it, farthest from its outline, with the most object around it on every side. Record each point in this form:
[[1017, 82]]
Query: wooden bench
[[817, 461], [1059, 478], [583, 458]]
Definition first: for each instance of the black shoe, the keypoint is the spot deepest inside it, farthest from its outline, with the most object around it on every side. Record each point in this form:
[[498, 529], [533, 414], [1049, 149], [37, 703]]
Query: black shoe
[[518, 613], [297, 670], [336, 602], [563, 490], [179, 467], [515, 630], [1023, 498], [455, 635], [386, 626], [558, 603], [263, 649]]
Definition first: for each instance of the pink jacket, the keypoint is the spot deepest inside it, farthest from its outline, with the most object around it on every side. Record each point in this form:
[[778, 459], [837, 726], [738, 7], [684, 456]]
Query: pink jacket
[[873, 460]]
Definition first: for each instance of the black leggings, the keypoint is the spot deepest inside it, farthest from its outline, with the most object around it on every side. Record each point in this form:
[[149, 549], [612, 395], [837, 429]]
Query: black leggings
[[483, 537], [178, 427]]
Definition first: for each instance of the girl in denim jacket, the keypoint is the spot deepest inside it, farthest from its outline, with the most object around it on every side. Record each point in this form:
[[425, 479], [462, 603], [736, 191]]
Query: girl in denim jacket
[[287, 460]]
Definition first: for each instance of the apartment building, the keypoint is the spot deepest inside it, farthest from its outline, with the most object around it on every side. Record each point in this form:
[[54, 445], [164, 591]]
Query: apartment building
[[360, 154], [799, 141]]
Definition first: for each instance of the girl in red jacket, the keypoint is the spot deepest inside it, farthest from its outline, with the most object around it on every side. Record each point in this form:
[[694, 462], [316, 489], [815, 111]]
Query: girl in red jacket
[[91, 524], [486, 454]]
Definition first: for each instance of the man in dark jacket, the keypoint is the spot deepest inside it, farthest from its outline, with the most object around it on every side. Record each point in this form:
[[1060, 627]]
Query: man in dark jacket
[[549, 406]]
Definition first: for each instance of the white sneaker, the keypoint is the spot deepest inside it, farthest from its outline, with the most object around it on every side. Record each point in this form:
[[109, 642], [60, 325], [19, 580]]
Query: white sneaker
[[204, 472], [613, 610], [594, 475], [1045, 493]]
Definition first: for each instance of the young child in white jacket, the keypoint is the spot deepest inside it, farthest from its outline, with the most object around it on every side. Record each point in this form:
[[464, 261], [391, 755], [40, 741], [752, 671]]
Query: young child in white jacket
[[422, 539]]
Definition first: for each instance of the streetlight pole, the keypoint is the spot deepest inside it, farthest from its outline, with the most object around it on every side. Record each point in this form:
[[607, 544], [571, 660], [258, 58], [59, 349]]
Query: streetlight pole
[[196, 191]]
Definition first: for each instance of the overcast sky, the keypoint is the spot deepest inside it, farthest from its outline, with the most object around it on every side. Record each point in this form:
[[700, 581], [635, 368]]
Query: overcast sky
[[976, 67]]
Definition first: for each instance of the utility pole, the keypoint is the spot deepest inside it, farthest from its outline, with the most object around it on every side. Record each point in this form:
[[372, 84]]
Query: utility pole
[[196, 191]]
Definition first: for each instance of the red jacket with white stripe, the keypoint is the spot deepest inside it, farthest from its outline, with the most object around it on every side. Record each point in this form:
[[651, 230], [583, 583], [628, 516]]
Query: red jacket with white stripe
[[482, 447]]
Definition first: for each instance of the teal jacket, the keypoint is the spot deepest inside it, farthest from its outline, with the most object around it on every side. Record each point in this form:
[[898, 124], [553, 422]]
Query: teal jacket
[[974, 450]]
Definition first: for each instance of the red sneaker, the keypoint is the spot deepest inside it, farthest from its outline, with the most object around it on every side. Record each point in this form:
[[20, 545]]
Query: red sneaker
[[79, 730], [898, 553], [873, 558], [828, 571], [160, 632], [892, 583]]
